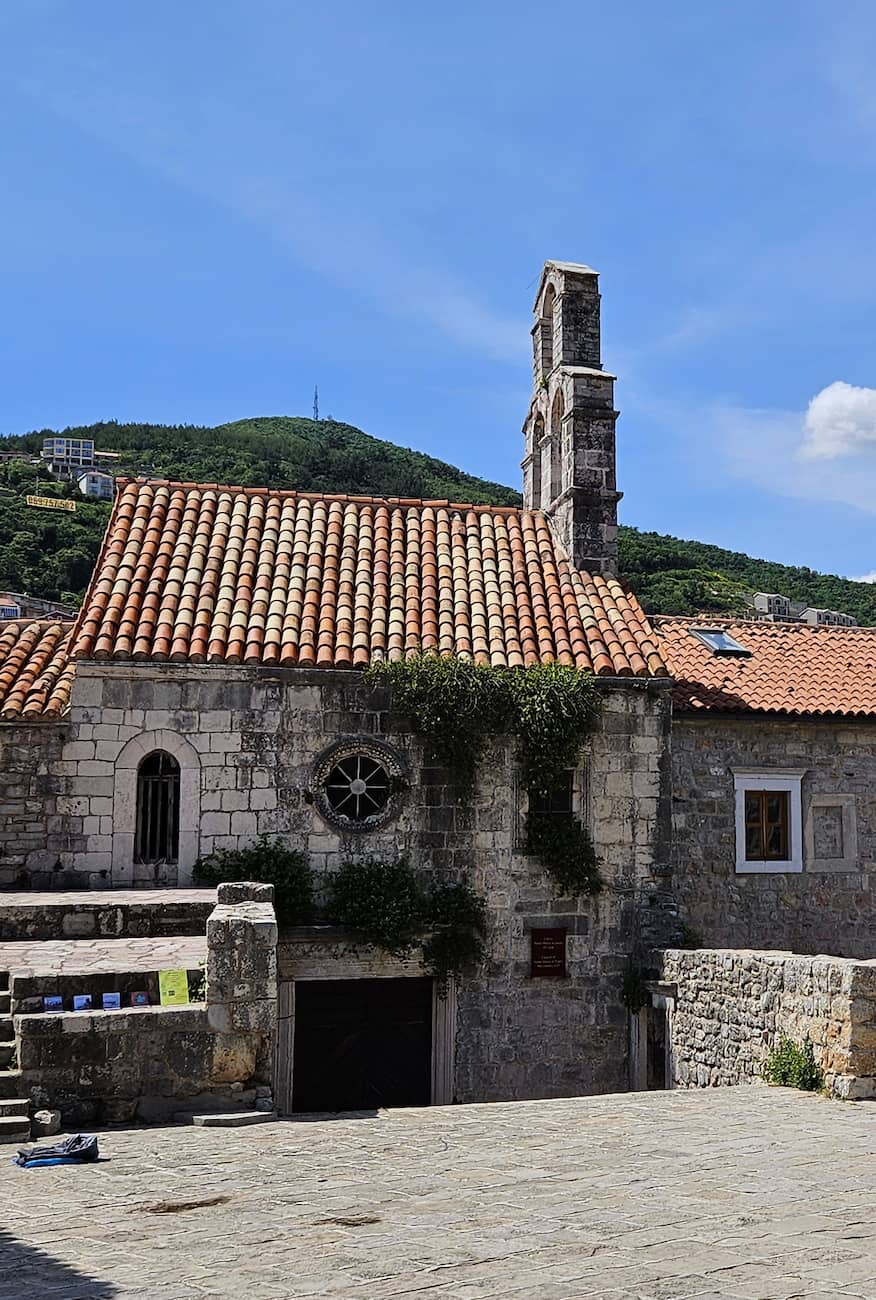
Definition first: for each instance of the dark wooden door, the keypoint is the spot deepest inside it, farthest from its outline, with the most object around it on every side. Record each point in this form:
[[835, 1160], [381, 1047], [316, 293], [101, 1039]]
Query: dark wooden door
[[362, 1044]]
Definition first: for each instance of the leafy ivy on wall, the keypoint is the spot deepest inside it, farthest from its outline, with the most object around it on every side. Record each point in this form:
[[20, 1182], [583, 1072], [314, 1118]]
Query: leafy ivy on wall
[[457, 706]]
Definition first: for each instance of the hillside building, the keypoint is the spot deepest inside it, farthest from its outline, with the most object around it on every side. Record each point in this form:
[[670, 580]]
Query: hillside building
[[95, 483], [771, 603], [827, 618]]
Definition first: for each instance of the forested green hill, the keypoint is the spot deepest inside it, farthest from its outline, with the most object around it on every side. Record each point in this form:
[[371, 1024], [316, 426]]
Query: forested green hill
[[51, 554], [671, 576]]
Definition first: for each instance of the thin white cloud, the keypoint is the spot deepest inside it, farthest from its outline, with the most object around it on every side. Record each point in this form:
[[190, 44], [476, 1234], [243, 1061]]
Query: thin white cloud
[[242, 164], [840, 421], [866, 577]]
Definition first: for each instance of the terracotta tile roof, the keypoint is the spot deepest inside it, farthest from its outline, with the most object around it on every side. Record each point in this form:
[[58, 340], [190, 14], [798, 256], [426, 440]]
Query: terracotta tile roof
[[196, 573], [36, 672], [793, 668]]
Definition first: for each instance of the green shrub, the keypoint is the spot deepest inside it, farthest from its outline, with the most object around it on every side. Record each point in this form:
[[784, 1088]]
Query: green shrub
[[382, 900], [385, 903], [554, 709], [270, 864], [793, 1065]]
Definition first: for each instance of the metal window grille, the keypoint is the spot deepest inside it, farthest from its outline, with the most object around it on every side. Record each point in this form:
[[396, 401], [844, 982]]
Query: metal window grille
[[157, 834]]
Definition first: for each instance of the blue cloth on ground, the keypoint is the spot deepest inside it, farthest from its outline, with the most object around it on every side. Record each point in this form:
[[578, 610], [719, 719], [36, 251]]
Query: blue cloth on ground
[[80, 1148]]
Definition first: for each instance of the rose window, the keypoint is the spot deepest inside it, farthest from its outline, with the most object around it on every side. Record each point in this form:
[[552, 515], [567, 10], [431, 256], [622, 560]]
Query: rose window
[[358, 787], [357, 784]]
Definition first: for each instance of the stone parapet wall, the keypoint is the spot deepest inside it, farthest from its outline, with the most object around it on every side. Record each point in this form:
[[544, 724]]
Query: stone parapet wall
[[816, 910], [242, 963], [731, 1007], [94, 914]]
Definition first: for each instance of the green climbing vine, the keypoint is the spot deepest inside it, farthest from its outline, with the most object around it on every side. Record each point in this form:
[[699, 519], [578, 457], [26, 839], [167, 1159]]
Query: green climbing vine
[[387, 905], [563, 846], [454, 704], [550, 709]]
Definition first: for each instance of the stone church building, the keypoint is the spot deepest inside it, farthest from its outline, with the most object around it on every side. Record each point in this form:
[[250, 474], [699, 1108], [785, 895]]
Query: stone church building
[[211, 692]]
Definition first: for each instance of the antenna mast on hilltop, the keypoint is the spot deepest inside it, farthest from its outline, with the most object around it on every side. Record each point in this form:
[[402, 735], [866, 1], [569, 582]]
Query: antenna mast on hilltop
[[315, 402]]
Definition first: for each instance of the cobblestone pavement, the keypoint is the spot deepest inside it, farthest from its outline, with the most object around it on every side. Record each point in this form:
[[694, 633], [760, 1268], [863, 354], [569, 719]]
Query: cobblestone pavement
[[748, 1193], [101, 956]]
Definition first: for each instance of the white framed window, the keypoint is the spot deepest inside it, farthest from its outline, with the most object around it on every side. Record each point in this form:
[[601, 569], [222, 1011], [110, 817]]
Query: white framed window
[[769, 819]]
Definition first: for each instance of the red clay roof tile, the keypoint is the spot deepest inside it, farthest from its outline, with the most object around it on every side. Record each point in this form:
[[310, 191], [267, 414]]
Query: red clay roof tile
[[204, 574], [793, 668], [36, 672]]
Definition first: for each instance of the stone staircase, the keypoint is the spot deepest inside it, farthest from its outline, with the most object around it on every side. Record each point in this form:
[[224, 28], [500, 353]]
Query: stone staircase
[[14, 1109]]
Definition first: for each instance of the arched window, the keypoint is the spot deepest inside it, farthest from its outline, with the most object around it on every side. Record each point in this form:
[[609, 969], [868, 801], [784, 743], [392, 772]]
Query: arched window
[[557, 412], [156, 837]]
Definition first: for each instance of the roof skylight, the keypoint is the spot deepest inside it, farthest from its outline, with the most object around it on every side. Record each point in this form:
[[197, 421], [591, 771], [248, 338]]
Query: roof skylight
[[721, 642]]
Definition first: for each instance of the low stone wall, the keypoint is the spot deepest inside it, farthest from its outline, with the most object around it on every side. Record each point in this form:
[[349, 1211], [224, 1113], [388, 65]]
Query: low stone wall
[[147, 1063], [100, 1067], [100, 915], [731, 1007]]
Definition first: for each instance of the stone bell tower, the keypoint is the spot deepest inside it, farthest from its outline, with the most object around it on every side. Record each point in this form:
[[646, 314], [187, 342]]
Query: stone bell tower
[[569, 465]]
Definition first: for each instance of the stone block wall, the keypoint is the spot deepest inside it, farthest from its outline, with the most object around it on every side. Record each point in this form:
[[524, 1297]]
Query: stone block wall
[[732, 1006], [31, 831], [816, 910], [248, 740]]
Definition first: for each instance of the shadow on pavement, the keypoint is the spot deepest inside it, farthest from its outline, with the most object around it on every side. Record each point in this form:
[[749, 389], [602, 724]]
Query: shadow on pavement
[[26, 1273]]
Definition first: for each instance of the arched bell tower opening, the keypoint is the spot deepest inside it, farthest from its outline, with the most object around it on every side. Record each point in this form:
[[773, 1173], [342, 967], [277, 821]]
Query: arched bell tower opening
[[534, 472], [569, 466], [558, 411]]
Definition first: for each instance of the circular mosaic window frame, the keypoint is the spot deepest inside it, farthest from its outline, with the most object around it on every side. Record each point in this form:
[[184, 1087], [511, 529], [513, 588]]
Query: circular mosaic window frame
[[376, 752]]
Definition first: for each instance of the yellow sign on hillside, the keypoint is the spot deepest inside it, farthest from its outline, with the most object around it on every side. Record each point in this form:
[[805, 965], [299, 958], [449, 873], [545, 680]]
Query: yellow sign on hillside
[[50, 503], [173, 988]]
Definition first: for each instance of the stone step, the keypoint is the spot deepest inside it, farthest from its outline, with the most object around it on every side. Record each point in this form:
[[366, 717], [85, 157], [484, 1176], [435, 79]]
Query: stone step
[[232, 1119], [15, 1106], [10, 1085], [7, 1051], [14, 1128]]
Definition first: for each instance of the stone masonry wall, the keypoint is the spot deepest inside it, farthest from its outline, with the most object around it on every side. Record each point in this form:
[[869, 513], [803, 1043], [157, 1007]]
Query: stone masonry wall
[[731, 1008], [30, 779], [247, 741], [816, 911]]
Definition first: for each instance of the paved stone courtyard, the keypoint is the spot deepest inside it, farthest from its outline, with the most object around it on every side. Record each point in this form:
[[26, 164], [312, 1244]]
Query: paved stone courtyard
[[746, 1193]]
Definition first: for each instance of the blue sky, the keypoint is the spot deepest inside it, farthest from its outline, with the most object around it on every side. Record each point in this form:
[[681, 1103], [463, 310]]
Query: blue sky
[[210, 206]]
